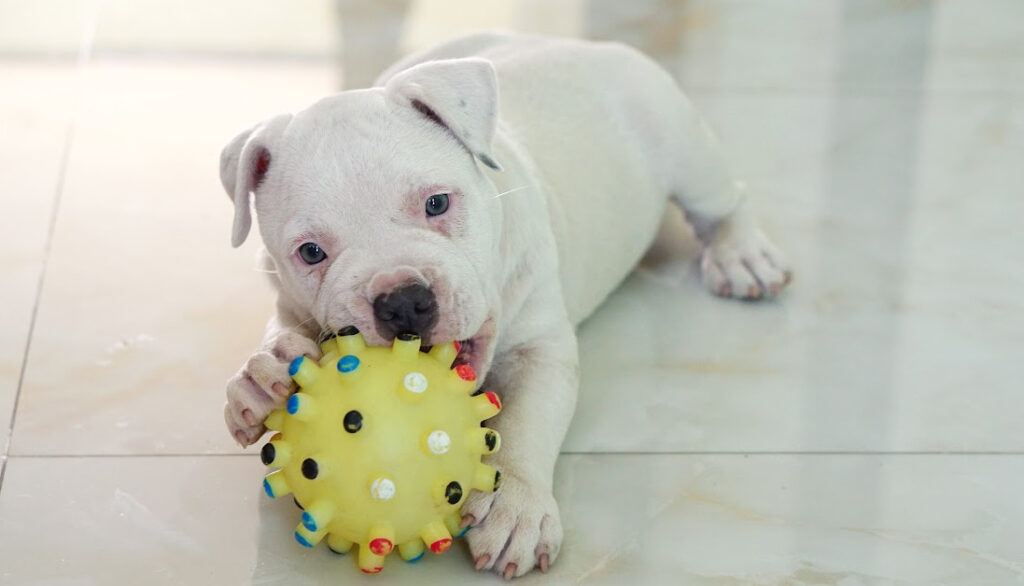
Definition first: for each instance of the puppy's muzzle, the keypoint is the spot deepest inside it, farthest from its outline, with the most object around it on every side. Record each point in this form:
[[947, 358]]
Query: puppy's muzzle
[[409, 309]]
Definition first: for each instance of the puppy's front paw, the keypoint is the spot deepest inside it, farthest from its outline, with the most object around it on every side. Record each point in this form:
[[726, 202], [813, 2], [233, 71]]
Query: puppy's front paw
[[262, 385], [745, 265], [513, 530]]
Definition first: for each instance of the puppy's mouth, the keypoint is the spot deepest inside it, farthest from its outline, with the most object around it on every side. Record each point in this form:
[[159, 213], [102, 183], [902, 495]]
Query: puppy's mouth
[[468, 351]]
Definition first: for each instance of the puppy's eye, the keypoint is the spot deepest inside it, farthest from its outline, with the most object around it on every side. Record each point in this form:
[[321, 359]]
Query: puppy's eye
[[311, 253], [437, 204]]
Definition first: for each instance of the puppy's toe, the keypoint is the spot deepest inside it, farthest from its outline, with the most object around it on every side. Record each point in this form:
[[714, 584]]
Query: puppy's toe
[[240, 426], [290, 345], [476, 507]]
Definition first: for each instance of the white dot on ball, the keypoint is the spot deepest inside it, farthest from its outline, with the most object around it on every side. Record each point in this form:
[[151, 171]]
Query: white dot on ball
[[438, 441], [382, 489], [415, 382]]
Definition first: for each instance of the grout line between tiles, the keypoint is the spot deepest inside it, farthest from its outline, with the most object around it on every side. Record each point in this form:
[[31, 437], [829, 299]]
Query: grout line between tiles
[[84, 53]]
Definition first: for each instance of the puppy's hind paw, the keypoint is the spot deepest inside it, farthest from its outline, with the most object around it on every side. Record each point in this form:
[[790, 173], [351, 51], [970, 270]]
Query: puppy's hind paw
[[745, 266]]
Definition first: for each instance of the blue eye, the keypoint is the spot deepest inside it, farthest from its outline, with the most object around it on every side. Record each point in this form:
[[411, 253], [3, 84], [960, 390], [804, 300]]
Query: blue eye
[[311, 253], [437, 204]]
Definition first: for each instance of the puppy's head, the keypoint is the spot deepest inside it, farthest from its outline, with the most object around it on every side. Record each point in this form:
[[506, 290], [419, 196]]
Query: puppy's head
[[374, 206]]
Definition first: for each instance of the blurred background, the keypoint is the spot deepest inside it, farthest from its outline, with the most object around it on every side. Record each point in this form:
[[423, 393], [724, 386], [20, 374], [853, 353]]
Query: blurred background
[[864, 428]]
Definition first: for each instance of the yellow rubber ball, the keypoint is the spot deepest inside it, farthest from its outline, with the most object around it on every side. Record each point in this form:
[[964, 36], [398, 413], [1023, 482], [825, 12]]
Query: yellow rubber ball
[[381, 446]]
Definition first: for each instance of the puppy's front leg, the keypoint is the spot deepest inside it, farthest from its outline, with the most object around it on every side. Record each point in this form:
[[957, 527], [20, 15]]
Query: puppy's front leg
[[263, 383], [518, 527]]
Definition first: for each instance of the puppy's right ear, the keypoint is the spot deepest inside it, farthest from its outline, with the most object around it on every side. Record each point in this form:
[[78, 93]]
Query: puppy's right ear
[[244, 163]]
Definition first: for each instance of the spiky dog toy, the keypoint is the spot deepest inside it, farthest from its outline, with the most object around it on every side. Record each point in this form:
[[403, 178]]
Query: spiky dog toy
[[380, 447]]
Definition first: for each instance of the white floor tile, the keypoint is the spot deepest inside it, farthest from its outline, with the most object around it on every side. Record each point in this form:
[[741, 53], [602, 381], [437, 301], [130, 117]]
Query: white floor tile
[[146, 309], [705, 520], [36, 110]]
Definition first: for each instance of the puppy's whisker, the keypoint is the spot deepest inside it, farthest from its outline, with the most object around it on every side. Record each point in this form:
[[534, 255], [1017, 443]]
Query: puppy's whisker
[[265, 271], [511, 190]]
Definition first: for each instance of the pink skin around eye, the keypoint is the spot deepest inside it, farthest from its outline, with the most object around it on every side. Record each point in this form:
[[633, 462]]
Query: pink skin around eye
[[440, 222], [326, 243]]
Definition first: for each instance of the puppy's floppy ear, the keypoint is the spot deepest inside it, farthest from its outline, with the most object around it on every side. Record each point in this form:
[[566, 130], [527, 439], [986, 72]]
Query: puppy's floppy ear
[[244, 163], [459, 94]]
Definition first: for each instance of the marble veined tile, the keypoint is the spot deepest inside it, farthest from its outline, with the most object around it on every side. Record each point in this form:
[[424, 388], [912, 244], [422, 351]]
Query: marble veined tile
[[703, 520], [903, 329], [36, 110], [866, 46], [146, 309]]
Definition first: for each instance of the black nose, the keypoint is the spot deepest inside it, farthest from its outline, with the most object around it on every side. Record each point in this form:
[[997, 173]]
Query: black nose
[[409, 309]]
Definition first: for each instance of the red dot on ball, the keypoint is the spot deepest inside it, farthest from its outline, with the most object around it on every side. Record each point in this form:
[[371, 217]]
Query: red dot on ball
[[441, 545], [381, 546], [493, 398], [465, 372]]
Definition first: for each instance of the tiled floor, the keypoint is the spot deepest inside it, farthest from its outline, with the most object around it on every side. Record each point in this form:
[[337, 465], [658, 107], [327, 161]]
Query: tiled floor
[[863, 429]]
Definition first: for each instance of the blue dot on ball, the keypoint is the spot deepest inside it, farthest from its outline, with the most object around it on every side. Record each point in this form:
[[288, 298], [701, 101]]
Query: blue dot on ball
[[348, 363], [293, 404], [267, 489], [309, 522], [294, 366], [302, 540]]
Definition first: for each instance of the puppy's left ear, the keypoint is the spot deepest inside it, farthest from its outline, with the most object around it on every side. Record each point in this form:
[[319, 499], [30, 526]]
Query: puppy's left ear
[[459, 94]]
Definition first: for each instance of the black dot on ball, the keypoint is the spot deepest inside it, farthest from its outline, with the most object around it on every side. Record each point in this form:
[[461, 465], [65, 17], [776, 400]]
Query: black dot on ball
[[497, 479], [453, 493], [491, 439], [310, 469], [348, 331], [267, 454], [297, 504], [326, 337], [407, 336], [353, 421]]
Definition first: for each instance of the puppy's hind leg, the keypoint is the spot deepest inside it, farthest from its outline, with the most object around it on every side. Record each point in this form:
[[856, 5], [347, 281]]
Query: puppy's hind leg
[[737, 260]]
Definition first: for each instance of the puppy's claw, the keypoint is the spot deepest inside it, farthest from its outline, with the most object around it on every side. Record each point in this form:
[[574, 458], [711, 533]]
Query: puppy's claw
[[467, 521], [510, 571], [241, 438], [482, 560], [545, 562]]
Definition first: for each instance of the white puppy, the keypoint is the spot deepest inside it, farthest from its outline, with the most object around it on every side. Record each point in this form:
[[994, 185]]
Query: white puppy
[[493, 190]]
